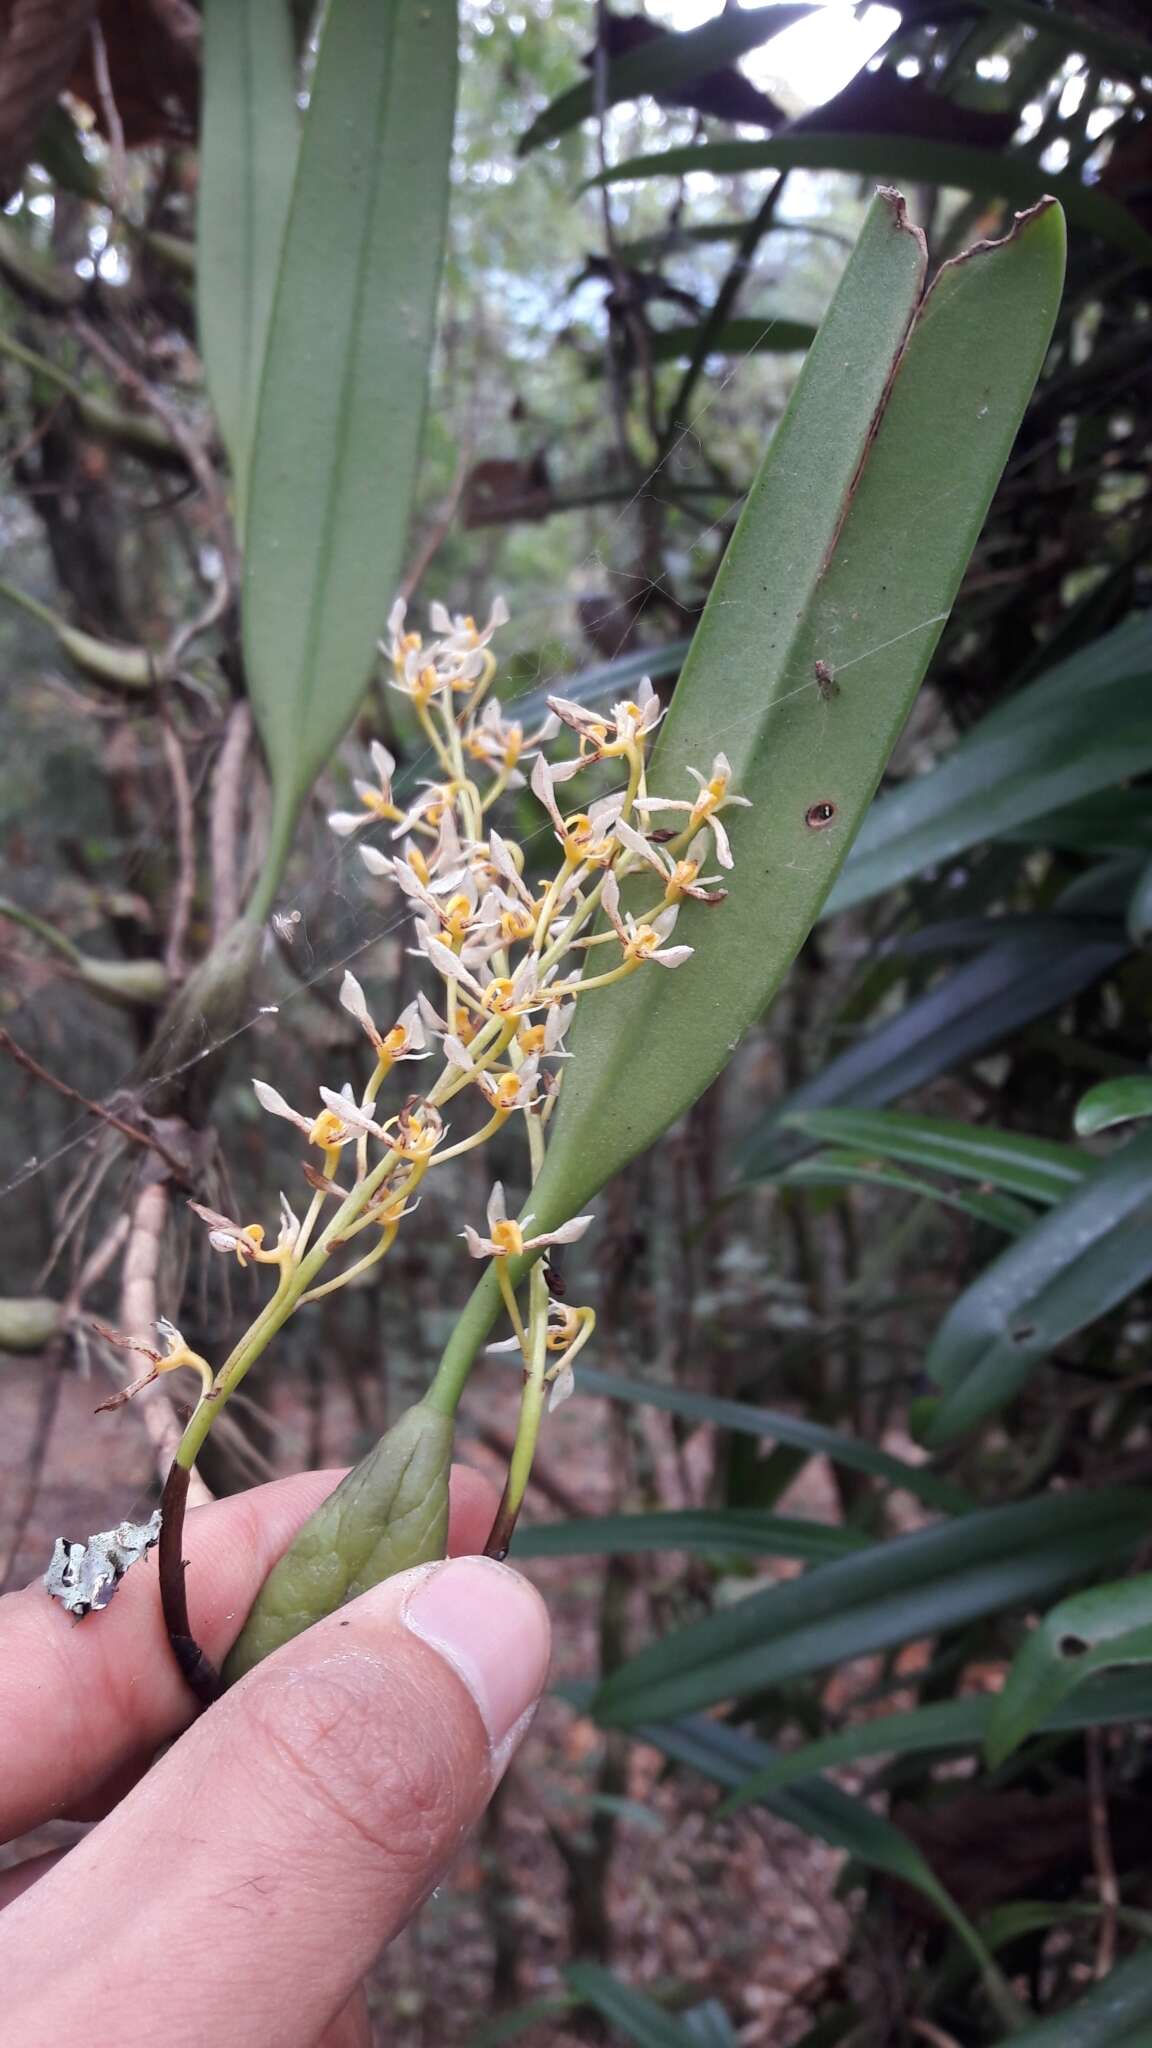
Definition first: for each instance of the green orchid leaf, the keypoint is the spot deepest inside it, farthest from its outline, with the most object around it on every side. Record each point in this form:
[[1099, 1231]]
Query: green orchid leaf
[[1074, 732], [1034, 1168], [1113, 1102], [707, 1529], [511, 2025], [894, 394], [338, 425], [1114, 821], [631, 2014], [775, 1427], [978, 1005], [1072, 1266], [249, 132], [834, 1167], [1106, 1628], [899, 1591], [989, 173], [942, 1726], [663, 64], [1140, 907]]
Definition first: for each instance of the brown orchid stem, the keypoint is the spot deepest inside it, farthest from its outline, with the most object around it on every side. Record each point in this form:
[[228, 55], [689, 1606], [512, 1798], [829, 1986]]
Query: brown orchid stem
[[198, 1673]]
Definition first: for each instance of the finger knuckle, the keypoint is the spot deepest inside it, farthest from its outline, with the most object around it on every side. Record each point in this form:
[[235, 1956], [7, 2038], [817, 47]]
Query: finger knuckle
[[364, 1766]]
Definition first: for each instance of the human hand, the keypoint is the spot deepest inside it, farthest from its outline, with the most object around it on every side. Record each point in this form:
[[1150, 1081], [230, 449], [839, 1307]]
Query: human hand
[[234, 1894]]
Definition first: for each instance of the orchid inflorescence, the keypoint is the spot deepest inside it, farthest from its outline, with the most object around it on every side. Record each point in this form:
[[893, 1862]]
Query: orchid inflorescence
[[511, 956]]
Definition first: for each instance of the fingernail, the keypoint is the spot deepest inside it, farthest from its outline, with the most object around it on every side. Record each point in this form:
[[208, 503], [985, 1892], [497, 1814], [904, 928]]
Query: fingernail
[[492, 1627]]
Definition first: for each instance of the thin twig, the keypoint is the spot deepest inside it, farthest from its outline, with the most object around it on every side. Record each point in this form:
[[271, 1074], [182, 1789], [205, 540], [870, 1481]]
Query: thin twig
[[117, 154], [183, 894], [79, 1198], [189, 443], [32, 1066], [96, 1265], [1105, 1863], [224, 821], [722, 305], [138, 1305]]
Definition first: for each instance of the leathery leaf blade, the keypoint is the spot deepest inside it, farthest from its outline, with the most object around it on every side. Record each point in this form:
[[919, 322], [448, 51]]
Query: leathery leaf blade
[[248, 141], [631, 2013], [849, 553], [389, 1513], [943, 1725], [1059, 746], [899, 1591], [342, 399], [1105, 1629], [1037, 1168], [662, 65], [1074, 1265]]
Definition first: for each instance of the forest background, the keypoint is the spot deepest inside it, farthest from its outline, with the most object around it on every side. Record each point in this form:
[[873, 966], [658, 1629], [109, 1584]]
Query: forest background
[[895, 1182]]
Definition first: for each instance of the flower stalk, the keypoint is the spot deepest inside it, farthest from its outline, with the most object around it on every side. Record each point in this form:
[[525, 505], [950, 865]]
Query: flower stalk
[[510, 954]]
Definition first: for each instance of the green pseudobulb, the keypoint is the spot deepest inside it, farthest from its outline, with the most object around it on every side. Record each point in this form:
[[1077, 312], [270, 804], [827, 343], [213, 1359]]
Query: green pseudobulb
[[389, 1513]]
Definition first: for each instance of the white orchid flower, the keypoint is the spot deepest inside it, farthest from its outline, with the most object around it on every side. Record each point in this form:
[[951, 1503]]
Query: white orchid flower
[[245, 1240], [329, 1130], [714, 795], [643, 941], [376, 797], [506, 1238], [679, 877]]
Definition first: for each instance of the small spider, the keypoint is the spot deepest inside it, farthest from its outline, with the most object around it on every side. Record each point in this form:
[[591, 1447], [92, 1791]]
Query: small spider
[[284, 925], [826, 682]]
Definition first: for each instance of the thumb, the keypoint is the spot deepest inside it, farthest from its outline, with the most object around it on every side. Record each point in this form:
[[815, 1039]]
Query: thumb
[[243, 1888]]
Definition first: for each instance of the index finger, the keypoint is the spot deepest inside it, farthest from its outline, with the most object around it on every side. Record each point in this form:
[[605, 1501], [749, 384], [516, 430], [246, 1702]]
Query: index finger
[[80, 1701]]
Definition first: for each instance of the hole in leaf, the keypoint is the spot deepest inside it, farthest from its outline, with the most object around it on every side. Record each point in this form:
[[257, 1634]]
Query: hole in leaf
[[1073, 1646]]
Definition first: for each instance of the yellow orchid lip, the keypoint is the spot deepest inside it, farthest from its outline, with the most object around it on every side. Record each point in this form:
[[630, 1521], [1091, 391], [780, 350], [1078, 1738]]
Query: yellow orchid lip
[[327, 1130], [509, 1237]]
